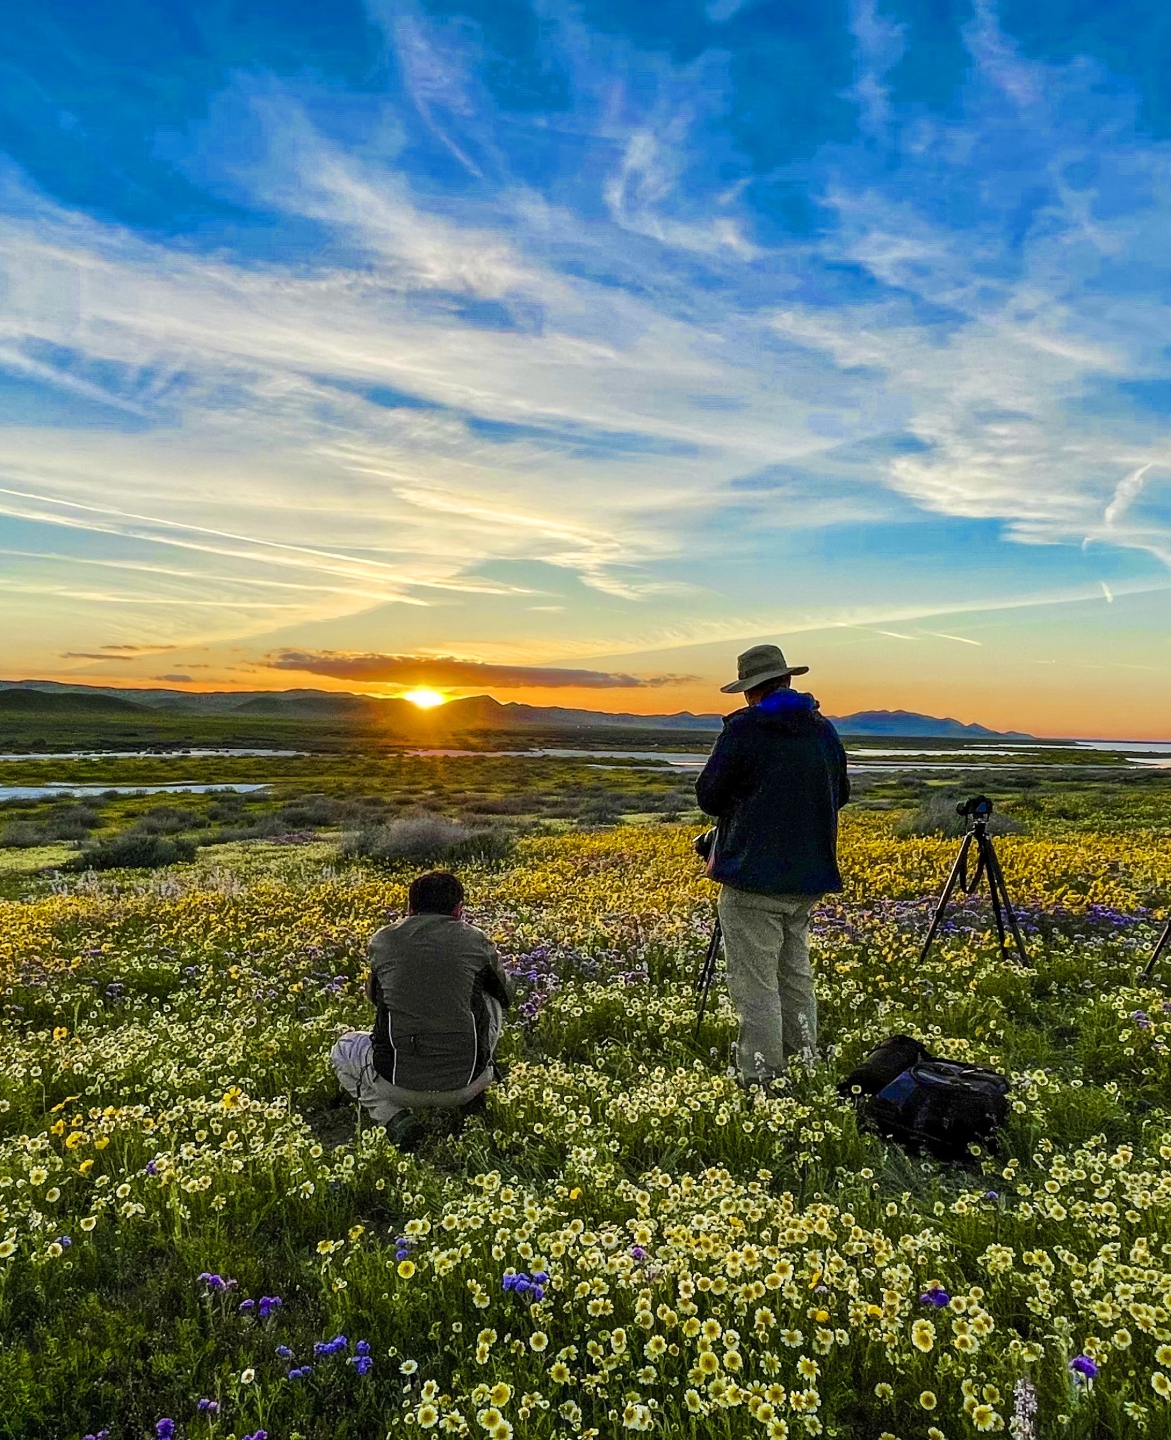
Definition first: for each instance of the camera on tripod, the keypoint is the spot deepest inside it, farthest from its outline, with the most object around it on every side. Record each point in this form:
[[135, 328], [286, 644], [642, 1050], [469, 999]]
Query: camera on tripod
[[977, 810]]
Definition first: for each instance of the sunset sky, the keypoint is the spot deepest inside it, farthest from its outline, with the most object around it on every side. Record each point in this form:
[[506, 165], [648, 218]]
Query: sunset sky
[[560, 351]]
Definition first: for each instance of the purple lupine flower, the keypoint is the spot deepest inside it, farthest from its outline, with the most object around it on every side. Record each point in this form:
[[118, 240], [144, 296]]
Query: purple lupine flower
[[1083, 1368], [936, 1296], [164, 1429], [208, 1407]]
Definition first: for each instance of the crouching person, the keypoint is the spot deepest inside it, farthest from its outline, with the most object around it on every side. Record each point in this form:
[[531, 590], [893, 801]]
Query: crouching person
[[439, 996]]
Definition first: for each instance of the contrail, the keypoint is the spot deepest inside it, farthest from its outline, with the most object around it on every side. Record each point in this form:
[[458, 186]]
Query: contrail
[[1128, 490]]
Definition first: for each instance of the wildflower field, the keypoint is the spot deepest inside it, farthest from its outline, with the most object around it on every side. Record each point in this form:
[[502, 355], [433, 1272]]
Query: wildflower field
[[193, 1242]]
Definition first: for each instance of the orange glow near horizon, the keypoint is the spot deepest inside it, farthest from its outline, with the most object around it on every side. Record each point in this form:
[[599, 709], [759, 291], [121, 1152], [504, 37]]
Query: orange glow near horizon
[[425, 699]]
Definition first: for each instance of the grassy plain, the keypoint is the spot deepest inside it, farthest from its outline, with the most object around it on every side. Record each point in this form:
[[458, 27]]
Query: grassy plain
[[718, 1263]]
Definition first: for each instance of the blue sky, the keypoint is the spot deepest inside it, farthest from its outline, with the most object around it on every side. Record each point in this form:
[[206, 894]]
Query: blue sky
[[351, 340]]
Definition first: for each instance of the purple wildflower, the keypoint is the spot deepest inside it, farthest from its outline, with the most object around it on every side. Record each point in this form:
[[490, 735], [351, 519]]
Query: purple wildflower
[[637, 1252], [284, 1352], [216, 1282], [1083, 1368], [151, 1168], [362, 1347], [208, 1407], [361, 1363], [165, 1429], [936, 1296], [247, 1305], [269, 1304]]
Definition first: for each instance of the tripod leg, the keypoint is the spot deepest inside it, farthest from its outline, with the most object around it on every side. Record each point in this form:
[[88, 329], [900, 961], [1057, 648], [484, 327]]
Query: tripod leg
[[988, 862], [996, 879], [1160, 946], [707, 974], [957, 870]]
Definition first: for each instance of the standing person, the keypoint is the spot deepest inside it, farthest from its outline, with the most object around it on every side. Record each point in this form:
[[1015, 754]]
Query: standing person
[[775, 782], [439, 996]]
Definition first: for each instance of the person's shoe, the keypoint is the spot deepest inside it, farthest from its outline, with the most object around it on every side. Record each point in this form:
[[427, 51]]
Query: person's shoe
[[406, 1133]]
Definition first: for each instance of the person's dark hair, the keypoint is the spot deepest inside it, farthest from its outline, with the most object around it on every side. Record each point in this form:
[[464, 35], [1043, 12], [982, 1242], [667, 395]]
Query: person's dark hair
[[438, 892], [765, 689]]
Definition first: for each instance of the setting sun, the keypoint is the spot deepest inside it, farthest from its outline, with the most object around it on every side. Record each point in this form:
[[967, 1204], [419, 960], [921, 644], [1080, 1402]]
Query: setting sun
[[425, 699]]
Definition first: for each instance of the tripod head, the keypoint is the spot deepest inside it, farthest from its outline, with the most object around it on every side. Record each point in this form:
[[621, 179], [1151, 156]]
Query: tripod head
[[977, 810]]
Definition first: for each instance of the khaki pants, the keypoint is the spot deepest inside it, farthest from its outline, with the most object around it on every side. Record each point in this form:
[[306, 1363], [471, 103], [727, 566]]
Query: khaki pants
[[766, 942], [352, 1059]]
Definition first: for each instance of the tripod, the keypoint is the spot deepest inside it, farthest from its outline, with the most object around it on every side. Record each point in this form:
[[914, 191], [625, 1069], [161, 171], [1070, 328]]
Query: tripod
[[979, 812], [707, 973], [1159, 948]]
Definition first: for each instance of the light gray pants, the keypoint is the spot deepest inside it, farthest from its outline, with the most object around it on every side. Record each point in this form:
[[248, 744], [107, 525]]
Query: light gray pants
[[352, 1058], [766, 942]]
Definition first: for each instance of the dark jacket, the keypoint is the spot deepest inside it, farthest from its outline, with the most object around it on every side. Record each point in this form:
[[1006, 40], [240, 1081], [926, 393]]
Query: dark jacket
[[428, 978], [775, 782]]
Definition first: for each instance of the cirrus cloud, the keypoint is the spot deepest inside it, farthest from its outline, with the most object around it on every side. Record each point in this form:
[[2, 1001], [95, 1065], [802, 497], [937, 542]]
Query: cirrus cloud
[[447, 670]]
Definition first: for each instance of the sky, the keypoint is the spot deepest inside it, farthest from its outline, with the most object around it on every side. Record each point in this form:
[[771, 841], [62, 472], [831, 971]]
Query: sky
[[561, 351]]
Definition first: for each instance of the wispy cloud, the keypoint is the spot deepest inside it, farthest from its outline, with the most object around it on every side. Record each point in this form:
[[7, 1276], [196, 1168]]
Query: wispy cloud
[[447, 670]]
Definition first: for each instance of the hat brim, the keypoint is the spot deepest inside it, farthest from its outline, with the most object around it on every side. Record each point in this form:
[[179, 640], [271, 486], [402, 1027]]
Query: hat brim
[[738, 687]]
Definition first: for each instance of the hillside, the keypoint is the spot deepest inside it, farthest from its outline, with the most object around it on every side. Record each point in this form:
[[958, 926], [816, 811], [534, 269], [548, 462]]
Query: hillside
[[398, 718], [34, 702]]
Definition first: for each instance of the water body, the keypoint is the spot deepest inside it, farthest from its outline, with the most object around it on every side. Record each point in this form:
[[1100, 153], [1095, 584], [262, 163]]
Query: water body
[[965, 758], [146, 754], [61, 790]]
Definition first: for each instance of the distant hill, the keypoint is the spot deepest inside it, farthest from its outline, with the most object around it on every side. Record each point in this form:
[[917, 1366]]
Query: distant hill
[[398, 718], [35, 702], [905, 724]]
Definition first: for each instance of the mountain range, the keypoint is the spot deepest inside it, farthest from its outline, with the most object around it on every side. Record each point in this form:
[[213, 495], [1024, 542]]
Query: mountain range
[[477, 712]]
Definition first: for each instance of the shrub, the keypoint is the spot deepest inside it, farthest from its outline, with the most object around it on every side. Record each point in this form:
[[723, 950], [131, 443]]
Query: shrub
[[937, 816], [264, 827], [425, 839], [170, 820], [134, 850], [22, 835], [309, 811]]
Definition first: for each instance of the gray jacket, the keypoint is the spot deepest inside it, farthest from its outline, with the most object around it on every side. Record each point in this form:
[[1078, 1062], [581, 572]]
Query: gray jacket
[[428, 978]]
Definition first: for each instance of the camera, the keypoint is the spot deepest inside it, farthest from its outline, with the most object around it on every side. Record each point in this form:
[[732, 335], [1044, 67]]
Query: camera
[[976, 807], [702, 844]]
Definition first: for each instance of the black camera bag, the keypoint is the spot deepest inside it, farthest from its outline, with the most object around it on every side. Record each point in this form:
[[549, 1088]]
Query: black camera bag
[[925, 1103]]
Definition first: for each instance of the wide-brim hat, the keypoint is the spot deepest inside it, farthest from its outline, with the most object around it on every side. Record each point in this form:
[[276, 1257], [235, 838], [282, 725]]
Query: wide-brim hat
[[758, 665]]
